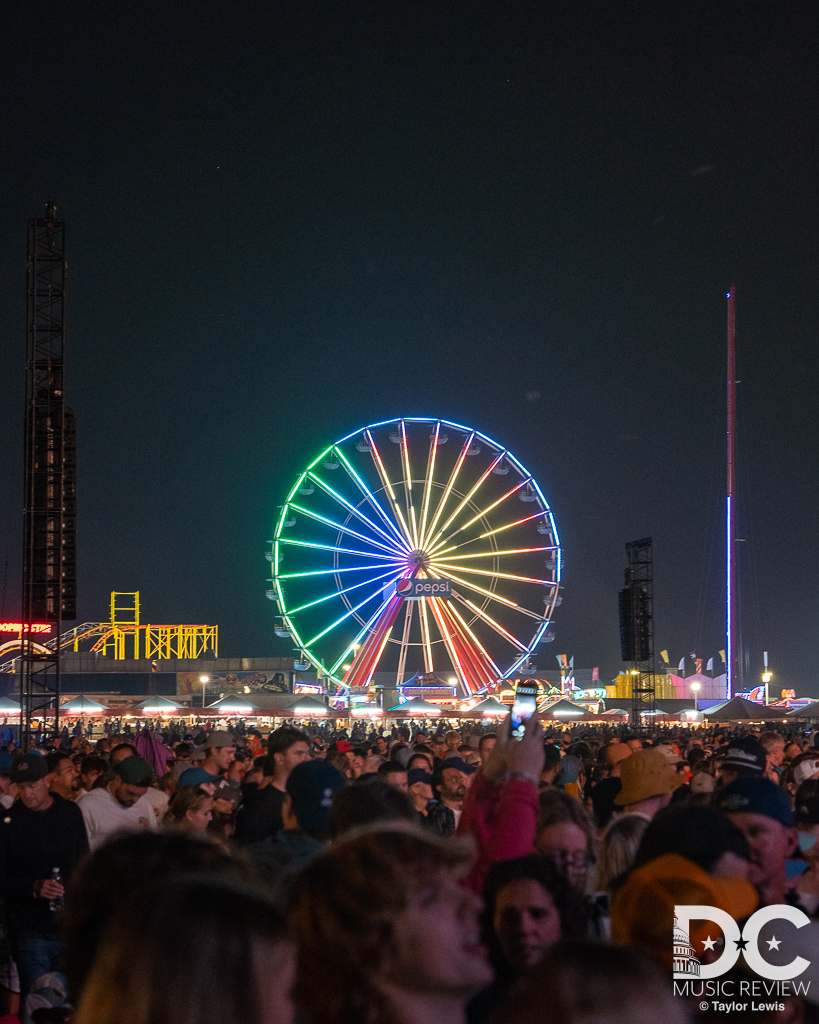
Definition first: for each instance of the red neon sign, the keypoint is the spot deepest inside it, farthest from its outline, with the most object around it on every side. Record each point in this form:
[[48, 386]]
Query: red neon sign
[[23, 627]]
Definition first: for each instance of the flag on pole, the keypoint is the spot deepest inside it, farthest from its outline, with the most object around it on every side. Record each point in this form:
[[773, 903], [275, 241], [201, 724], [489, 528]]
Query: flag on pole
[[710, 666], [571, 662], [664, 656], [595, 675], [681, 666], [564, 660], [699, 665], [722, 655], [559, 659]]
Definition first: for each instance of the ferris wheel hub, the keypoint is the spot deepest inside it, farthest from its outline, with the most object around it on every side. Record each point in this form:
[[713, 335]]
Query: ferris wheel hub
[[418, 559]]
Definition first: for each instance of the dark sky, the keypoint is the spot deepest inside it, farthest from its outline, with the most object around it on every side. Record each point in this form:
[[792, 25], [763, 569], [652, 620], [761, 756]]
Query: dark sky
[[288, 220]]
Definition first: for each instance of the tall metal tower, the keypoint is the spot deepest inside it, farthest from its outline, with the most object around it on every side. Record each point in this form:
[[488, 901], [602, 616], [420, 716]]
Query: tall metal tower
[[49, 525], [732, 662], [637, 626]]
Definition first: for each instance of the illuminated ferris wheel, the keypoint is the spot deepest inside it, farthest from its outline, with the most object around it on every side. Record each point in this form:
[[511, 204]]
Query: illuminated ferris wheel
[[416, 546]]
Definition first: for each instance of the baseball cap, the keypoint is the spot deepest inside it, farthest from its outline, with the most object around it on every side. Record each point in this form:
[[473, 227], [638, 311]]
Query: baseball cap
[[30, 768], [642, 910], [311, 786], [702, 782], [746, 756], [224, 791], [805, 770], [460, 764], [219, 738], [134, 771], [644, 774], [344, 746], [755, 796], [418, 775], [195, 777], [668, 752]]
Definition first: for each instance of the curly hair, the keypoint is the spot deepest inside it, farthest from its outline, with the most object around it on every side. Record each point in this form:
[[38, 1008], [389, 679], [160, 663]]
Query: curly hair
[[349, 901]]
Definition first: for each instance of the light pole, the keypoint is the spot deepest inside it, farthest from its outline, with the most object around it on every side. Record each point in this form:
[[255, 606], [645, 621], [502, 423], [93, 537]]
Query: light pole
[[695, 687], [766, 678], [204, 680]]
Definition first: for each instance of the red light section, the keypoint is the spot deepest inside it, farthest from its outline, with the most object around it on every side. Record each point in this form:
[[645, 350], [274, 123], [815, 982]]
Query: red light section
[[23, 627]]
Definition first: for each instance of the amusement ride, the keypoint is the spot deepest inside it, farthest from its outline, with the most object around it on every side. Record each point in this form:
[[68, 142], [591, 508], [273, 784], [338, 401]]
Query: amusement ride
[[416, 546]]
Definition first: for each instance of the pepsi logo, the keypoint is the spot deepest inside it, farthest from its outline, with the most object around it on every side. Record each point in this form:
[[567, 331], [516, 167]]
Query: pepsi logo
[[403, 587]]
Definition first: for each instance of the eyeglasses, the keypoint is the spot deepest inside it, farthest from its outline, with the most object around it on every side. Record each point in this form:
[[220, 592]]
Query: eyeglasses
[[577, 860]]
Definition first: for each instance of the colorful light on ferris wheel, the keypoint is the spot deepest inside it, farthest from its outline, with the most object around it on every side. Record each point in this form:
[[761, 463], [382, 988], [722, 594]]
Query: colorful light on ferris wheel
[[402, 505]]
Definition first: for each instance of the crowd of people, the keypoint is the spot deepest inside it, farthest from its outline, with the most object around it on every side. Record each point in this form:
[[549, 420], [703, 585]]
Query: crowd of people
[[403, 876]]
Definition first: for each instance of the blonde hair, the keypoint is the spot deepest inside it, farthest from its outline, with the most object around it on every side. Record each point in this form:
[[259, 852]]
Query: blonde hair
[[349, 901], [618, 848]]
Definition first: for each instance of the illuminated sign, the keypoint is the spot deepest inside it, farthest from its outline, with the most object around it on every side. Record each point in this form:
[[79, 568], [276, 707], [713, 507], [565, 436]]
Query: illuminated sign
[[414, 589], [22, 627]]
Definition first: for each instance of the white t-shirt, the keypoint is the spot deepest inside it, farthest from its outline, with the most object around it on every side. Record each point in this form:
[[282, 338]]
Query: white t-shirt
[[159, 801], [103, 816]]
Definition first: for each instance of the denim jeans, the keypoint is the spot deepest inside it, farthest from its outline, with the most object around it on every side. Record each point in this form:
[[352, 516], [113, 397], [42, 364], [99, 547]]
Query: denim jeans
[[35, 955]]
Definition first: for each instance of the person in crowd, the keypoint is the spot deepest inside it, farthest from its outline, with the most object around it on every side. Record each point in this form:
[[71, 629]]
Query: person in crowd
[[260, 815], [363, 805], [220, 753], [528, 907], [763, 814], [449, 791], [774, 746], [42, 838], [106, 880], [226, 801], [395, 774], [584, 982], [807, 823], [565, 834], [421, 759], [65, 776], [703, 835], [452, 742], [419, 789], [618, 849], [306, 820], [404, 934], [230, 937], [642, 908], [122, 804], [190, 809], [744, 757], [551, 764], [91, 768], [486, 745], [648, 782]]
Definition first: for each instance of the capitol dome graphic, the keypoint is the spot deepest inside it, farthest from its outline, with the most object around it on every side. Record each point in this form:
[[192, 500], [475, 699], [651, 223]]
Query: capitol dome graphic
[[685, 956]]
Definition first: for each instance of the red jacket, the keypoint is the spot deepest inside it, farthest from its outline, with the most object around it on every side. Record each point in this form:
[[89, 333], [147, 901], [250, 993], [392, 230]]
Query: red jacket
[[501, 820]]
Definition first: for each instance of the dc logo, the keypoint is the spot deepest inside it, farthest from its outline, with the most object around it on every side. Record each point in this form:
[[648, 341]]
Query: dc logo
[[686, 962], [404, 586]]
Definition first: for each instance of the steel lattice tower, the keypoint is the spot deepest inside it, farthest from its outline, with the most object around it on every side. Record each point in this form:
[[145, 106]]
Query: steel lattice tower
[[49, 525]]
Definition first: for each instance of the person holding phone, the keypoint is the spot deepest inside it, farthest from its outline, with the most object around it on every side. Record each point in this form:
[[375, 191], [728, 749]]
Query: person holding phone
[[500, 810]]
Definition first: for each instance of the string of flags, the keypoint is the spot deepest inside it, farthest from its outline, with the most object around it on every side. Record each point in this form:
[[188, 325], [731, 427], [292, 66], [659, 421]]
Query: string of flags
[[697, 662]]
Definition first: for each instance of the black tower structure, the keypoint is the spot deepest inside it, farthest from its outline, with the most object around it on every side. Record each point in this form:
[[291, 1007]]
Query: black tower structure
[[637, 626], [49, 525]]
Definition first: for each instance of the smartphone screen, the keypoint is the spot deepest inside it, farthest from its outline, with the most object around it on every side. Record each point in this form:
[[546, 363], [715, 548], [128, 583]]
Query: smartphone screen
[[524, 707]]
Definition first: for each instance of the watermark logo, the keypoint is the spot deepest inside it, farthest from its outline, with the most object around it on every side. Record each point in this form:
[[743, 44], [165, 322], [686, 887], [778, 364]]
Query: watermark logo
[[688, 966]]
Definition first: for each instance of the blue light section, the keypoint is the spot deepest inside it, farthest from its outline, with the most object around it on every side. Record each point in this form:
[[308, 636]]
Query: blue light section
[[729, 642]]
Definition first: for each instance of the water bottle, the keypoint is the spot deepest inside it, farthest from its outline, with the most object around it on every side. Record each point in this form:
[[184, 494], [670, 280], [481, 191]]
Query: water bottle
[[58, 903]]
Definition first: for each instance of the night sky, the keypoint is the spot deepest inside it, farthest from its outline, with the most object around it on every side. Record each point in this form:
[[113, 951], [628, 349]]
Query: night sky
[[289, 220]]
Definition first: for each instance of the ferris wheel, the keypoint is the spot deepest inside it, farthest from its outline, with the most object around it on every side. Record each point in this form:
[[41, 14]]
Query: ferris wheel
[[416, 545]]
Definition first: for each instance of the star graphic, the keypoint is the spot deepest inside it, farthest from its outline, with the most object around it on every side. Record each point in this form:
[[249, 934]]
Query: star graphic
[[741, 944], [773, 943], [709, 943]]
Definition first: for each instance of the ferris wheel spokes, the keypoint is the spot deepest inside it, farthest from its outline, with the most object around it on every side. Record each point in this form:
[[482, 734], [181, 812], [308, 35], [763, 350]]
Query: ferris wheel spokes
[[484, 512], [353, 610], [425, 637], [332, 547], [357, 511], [341, 528], [464, 501], [385, 480], [433, 450], [338, 593], [408, 484], [486, 593], [448, 490]]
